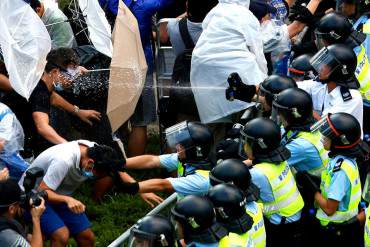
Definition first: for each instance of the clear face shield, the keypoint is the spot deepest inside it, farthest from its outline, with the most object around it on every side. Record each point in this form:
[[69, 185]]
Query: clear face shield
[[178, 137], [325, 127], [324, 63], [144, 239], [247, 141]]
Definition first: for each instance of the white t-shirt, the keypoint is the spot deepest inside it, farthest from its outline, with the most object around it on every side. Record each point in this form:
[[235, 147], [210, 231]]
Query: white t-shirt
[[61, 164], [324, 102]]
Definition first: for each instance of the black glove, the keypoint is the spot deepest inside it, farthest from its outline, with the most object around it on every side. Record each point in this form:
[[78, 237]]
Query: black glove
[[301, 13], [227, 149], [238, 90], [129, 188], [307, 183]]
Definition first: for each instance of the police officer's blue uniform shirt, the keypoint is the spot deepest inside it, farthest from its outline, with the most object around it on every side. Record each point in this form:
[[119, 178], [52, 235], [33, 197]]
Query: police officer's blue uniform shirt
[[266, 195], [304, 155], [193, 184], [340, 185]]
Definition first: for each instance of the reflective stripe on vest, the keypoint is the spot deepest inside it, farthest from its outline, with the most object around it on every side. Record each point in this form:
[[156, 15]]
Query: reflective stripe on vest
[[363, 73], [235, 240], [287, 199], [355, 198], [367, 229], [314, 139], [258, 232]]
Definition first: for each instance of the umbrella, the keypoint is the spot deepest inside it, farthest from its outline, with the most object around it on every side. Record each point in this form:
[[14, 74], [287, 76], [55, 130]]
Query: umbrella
[[25, 44], [128, 68]]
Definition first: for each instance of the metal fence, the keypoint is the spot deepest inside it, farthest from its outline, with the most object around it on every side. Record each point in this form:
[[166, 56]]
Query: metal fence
[[121, 241]]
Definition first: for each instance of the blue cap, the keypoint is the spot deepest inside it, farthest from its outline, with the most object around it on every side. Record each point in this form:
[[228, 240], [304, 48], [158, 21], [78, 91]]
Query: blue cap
[[260, 8]]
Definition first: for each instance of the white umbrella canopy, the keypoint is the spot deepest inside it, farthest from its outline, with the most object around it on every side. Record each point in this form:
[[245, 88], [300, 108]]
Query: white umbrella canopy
[[128, 68], [25, 44], [97, 25]]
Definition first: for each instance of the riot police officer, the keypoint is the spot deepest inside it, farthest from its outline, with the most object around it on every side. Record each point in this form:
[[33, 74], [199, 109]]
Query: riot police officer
[[229, 203], [294, 110], [282, 202], [234, 171], [300, 68], [152, 231], [195, 221], [337, 89], [191, 143], [340, 188]]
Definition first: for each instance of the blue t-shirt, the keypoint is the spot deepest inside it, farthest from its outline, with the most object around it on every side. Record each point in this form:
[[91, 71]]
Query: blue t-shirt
[[340, 185], [266, 195], [193, 184]]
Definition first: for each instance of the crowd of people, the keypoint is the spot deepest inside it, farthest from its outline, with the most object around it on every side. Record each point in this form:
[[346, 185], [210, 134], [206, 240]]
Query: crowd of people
[[266, 127]]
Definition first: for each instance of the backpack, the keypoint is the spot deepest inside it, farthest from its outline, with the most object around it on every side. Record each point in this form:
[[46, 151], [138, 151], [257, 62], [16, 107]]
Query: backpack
[[181, 96]]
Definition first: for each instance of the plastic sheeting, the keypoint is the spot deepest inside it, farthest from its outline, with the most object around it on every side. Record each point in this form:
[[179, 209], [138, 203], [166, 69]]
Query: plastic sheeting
[[98, 26], [25, 44], [128, 68], [230, 42]]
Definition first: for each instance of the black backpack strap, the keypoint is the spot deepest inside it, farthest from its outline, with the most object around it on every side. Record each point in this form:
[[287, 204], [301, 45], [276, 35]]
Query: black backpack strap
[[184, 32]]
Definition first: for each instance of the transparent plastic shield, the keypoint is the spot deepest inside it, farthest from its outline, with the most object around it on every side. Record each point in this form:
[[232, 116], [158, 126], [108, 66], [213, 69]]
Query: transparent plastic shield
[[178, 134], [139, 242], [324, 63], [324, 126]]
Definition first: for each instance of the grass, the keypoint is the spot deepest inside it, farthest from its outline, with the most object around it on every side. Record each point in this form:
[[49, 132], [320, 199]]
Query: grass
[[117, 212]]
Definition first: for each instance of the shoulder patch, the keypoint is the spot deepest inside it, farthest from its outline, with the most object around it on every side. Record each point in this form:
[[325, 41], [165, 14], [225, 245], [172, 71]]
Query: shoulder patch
[[338, 165], [346, 94]]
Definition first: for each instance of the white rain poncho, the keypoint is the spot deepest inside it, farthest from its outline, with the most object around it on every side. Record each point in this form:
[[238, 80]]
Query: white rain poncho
[[11, 131], [58, 27], [25, 44], [98, 26], [230, 42]]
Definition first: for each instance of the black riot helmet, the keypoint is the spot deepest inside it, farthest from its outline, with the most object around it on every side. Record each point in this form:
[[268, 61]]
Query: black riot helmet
[[295, 109], [262, 138], [234, 171], [336, 63], [273, 85], [300, 68], [342, 129], [194, 137], [152, 231], [229, 202], [196, 217], [333, 28]]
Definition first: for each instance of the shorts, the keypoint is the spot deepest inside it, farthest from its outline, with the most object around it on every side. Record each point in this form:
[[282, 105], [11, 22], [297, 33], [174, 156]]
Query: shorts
[[58, 215], [146, 110], [15, 164]]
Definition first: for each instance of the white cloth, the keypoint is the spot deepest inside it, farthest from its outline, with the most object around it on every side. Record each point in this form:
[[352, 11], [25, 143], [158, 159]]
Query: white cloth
[[10, 130], [25, 44], [61, 164], [230, 42], [275, 37], [324, 102]]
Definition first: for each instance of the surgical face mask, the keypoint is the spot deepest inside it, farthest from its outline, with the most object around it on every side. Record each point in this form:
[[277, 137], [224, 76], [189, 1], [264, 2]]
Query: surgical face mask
[[87, 174], [58, 86]]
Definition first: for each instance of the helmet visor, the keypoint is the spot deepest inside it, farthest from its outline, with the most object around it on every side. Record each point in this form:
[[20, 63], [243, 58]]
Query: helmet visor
[[178, 134], [275, 113], [325, 127], [324, 63]]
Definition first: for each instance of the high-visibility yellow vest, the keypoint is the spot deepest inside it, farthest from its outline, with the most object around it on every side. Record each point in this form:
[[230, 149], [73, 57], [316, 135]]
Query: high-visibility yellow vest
[[258, 232], [355, 198], [367, 229], [180, 171], [363, 73], [314, 139], [288, 201], [235, 240]]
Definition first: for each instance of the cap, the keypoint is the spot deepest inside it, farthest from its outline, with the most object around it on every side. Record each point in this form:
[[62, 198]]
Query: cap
[[260, 8]]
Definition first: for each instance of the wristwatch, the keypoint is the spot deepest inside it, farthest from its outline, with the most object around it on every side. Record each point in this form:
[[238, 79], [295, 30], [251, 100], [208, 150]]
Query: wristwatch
[[76, 109]]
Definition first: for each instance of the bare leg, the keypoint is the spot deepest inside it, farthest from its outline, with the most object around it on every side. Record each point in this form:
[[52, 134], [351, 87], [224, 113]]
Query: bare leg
[[60, 237], [137, 141]]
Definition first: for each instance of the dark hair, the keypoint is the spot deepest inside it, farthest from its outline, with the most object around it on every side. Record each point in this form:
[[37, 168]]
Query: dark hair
[[198, 9], [10, 193], [35, 4], [103, 155], [61, 58]]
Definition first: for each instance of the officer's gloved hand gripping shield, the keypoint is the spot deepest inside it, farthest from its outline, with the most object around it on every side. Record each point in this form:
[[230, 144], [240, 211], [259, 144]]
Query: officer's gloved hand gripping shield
[[324, 63]]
